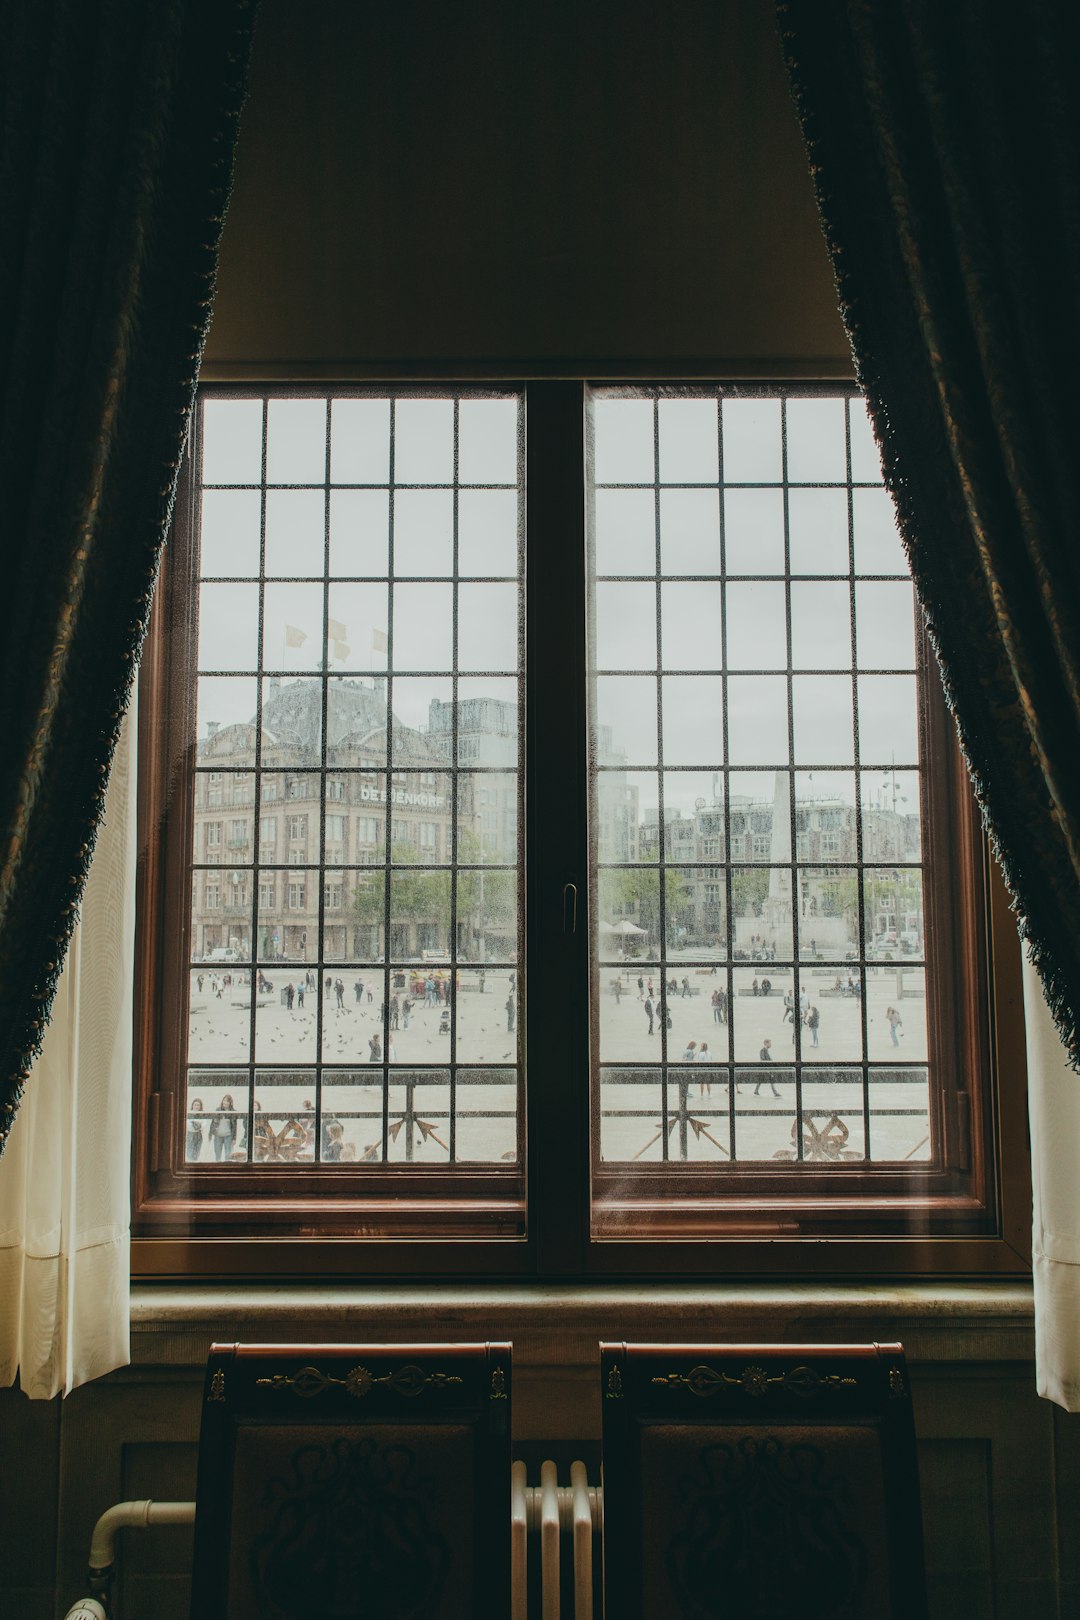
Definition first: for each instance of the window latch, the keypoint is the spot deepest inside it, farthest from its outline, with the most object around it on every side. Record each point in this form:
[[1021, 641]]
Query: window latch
[[569, 908]]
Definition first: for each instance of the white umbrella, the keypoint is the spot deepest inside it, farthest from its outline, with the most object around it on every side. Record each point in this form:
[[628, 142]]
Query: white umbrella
[[628, 928]]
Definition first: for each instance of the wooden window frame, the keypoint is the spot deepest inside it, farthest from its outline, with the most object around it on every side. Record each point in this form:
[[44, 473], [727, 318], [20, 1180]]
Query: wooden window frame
[[968, 1219]]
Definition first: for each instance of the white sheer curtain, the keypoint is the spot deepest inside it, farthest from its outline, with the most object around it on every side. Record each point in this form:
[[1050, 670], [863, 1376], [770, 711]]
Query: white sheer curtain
[[64, 1180], [1054, 1110]]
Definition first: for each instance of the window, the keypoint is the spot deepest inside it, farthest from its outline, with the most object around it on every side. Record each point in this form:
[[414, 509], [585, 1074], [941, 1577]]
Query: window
[[756, 1005]]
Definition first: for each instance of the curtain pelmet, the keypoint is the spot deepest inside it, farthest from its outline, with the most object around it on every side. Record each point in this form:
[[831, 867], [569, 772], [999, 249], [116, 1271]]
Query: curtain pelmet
[[118, 122], [945, 146]]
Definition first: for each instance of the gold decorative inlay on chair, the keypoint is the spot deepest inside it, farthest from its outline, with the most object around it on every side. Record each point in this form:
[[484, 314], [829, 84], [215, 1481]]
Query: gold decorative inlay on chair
[[705, 1381], [498, 1385], [614, 1385], [217, 1387], [359, 1381]]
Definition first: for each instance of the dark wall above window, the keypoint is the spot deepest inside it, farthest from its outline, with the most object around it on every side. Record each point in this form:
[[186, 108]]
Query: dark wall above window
[[554, 180]]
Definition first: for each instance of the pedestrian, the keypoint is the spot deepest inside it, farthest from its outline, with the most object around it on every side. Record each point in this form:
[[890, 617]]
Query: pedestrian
[[640, 988], [290, 996], [391, 1051], [481, 981], [690, 1053], [444, 1021], [329, 986], [649, 987], [406, 1012], [755, 987], [716, 1007], [813, 1019], [685, 986], [510, 1011], [765, 1056], [223, 1128], [335, 1133], [789, 1008], [766, 987], [395, 1012], [339, 993], [375, 1048], [894, 1022], [300, 994], [194, 1140], [617, 987], [705, 1083], [804, 1002], [358, 991], [723, 1006], [199, 982], [650, 1011]]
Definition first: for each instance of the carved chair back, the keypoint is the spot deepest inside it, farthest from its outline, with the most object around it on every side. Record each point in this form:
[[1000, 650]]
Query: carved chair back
[[768, 1482], [354, 1482]]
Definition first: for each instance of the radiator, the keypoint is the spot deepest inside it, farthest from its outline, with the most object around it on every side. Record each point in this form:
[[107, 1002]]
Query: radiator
[[542, 1518], [547, 1513]]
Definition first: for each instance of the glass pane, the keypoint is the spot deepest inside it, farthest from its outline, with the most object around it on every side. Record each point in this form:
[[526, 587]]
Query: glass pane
[[865, 456], [820, 625], [292, 728], [217, 1100], [359, 532], [424, 533], [829, 913], [761, 907], [624, 531], [765, 1123], [295, 531], [893, 902], [357, 627], [624, 719], [230, 521], [888, 720], [295, 441], [219, 1013], [228, 627], [486, 1116], [832, 1018], [818, 521], [757, 720], [232, 441], [631, 1125], [885, 625], [816, 441], [488, 817], [825, 816], [628, 910], [691, 625], [896, 1013], [481, 1014], [287, 929], [423, 719], [423, 635], [900, 1115], [877, 543], [625, 626], [756, 626], [689, 532], [753, 452], [623, 451], [487, 920], [823, 719], [352, 1117], [360, 441], [424, 441], [891, 816], [625, 802], [221, 906], [292, 626], [420, 915], [488, 627], [283, 1124], [832, 1115], [488, 441], [754, 531], [225, 715], [488, 532], [486, 722], [688, 441], [693, 716]]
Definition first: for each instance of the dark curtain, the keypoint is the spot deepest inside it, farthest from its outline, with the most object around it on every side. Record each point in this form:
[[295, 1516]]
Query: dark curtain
[[943, 138], [118, 122]]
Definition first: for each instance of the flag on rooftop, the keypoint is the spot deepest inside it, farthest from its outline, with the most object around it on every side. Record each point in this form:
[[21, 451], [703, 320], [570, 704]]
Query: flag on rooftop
[[294, 637], [336, 630], [379, 641]]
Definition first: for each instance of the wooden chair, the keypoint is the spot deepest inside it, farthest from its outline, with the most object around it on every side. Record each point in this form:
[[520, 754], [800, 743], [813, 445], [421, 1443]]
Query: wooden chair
[[354, 1482], [753, 1481]]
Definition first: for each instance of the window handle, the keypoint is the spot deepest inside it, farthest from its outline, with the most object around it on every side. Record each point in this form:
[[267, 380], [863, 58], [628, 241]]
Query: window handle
[[569, 908]]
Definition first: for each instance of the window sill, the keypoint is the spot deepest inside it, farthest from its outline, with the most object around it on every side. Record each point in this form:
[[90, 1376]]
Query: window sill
[[555, 1326]]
